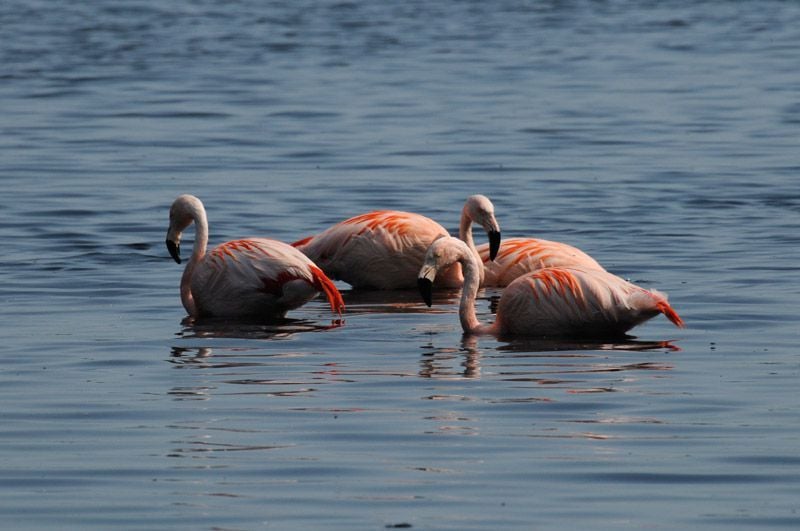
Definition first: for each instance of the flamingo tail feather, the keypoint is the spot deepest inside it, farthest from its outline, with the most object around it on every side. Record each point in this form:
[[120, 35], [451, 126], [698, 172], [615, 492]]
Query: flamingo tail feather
[[325, 285], [301, 243], [670, 313]]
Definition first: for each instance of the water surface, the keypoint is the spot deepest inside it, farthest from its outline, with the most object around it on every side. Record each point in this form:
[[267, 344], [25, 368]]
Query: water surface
[[661, 138]]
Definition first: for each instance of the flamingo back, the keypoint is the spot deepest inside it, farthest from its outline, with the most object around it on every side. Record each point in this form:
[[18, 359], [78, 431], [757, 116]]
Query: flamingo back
[[378, 250], [520, 256]]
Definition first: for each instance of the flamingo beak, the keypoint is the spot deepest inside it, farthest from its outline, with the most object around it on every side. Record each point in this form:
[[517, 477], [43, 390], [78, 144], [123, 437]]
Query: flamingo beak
[[494, 244], [426, 290], [174, 250]]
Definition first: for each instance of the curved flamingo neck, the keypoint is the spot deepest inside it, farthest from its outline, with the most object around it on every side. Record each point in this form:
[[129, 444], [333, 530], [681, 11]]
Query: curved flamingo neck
[[465, 234], [187, 299], [198, 215], [200, 233], [469, 292]]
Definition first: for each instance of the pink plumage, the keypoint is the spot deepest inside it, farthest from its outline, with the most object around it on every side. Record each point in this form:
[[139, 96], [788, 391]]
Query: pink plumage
[[520, 256], [551, 302], [253, 277], [385, 249]]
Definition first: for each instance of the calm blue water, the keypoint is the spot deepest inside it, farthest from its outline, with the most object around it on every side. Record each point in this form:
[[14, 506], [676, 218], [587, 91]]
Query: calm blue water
[[660, 137]]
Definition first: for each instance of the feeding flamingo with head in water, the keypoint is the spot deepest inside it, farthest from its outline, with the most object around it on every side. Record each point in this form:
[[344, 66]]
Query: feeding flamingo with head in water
[[575, 302]]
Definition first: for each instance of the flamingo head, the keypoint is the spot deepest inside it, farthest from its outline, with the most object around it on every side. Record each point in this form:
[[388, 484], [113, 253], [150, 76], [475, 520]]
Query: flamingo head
[[481, 211], [183, 212], [442, 253]]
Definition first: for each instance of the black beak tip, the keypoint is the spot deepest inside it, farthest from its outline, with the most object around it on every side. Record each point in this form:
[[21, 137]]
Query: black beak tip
[[426, 290], [174, 251], [494, 244]]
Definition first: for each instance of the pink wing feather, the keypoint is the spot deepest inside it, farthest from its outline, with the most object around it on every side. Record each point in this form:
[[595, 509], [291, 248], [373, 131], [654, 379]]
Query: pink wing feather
[[520, 256], [248, 276]]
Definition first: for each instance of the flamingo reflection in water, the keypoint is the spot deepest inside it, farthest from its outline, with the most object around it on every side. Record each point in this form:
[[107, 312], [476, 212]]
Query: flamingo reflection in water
[[443, 362]]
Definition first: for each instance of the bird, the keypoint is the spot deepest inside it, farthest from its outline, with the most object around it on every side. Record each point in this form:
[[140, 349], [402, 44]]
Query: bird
[[252, 277], [551, 302], [519, 256], [384, 249]]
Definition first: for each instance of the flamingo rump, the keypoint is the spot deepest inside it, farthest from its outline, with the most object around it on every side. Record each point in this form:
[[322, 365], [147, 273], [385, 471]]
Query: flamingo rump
[[551, 302], [254, 277], [384, 249]]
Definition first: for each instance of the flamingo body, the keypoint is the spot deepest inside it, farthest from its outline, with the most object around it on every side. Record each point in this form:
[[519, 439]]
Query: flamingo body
[[384, 249], [378, 250], [520, 256], [554, 302], [576, 302], [254, 277]]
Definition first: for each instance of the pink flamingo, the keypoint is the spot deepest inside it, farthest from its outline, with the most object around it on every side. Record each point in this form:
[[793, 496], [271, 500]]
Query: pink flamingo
[[385, 249], [254, 277], [520, 256], [550, 302]]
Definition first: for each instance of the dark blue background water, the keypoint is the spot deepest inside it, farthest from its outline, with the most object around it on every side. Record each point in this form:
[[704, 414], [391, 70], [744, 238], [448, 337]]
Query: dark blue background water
[[660, 137]]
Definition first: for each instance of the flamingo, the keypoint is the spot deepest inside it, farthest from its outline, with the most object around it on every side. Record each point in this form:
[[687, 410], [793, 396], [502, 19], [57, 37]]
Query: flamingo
[[385, 249], [555, 301], [254, 277], [519, 256]]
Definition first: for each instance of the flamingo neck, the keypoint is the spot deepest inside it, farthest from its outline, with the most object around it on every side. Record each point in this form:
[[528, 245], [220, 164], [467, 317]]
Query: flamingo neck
[[469, 292], [465, 234], [187, 299], [198, 252], [200, 236]]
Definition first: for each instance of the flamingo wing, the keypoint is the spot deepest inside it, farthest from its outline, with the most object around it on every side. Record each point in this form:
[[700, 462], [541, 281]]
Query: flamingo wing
[[259, 277], [577, 302], [520, 256], [382, 249]]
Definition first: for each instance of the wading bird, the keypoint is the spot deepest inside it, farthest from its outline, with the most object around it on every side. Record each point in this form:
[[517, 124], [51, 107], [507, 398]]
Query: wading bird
[[254, 277], [385, 249], [551, 302]]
